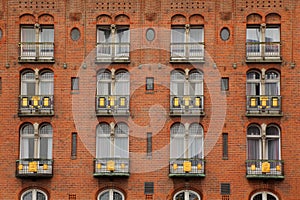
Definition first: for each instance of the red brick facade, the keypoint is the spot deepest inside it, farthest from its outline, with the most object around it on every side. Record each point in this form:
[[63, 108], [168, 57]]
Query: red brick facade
[[149, 111]]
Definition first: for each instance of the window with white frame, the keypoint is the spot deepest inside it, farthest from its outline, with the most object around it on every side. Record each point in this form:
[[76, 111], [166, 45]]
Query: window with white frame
[[187, 41], [263, 40], [111, 194], [192, 86], [34, 194], [112, 140], [109, 83], [264, 196], [36, 141], [263, 142], [37, 41], [37, 82], [186, 195], [263, 83], [186, 141], [113, 41]]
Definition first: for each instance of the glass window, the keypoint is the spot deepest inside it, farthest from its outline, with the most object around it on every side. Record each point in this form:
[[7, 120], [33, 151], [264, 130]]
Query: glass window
[[34, 194], [111, 194], [253, 83], [264, 196], [186, 195], [254, 142]]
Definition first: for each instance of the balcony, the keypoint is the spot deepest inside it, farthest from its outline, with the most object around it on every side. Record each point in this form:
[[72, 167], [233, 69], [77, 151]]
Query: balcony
[[264, 169], [263, 52], [112, 52], [107, 105], [187, 105], [38, 105], [36, 52], [34, 168], [187, 52], [187, 167], [111, 167], [264, 106]]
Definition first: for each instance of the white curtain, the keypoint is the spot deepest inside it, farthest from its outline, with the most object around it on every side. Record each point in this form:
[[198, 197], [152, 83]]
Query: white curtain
[[177, 148], [195, 141], [122, 83], [46, 83], [121, 141], [103, 141], [28, 83], [104, 83], [45, 148], [177, 83], [27, 141]]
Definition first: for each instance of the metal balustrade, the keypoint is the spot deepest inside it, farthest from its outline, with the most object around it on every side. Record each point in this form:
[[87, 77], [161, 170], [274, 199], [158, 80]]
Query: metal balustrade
[[187, 167], [34, 168], [264, 169], [264, 105], [36, 105], [112, 104], [111, 167], [187, 105]]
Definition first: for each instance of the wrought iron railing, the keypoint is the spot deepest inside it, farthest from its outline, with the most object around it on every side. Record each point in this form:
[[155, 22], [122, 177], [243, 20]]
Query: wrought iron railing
[[36, 105], [187, 166], [264, 168], [187, 105], [116, 52], [263, 104], [36, 51], [112, 104], [34, 167], [111, 167], [187, 51], [263, 50]]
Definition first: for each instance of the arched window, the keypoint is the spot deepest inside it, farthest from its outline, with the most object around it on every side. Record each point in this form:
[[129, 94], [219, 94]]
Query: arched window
[[253, 83], [264, 196], [34, 194], [112, 144], [104, 83], [37, 146], [177, 83], [37, 83], [111, 194], [186, 195], [122, 83], [254, 142], [195, 83], [272, 87], [177, 141]]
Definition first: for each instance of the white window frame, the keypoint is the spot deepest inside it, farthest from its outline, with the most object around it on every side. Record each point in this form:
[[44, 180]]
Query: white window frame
[[34, 194], [264, 195], [111, 192], [38, 80], [186, 194]]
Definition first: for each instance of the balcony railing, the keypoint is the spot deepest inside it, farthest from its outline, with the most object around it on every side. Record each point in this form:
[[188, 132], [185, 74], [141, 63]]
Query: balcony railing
[[29, 168], [263, 52], [186, 105], [112, 52], [260, 105], [264, 169], [187, 52], [187, 167], [37, 105], [36, 52], [112, 105], [111, 167]]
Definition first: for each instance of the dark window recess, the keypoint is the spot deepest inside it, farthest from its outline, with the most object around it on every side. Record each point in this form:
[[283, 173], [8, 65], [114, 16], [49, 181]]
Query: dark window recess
[[75, 83], [224, 83], [149, 83], [149, 144], [74, 145], [225, 188], [149, 188], [225, 145]]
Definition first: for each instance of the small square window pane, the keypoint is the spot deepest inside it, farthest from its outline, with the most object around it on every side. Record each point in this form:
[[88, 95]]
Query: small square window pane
[[225, 84]]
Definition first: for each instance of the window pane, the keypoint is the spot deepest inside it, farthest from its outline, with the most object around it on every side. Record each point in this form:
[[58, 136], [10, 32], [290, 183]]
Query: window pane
[[271, 197], [117, 196], [122, 83], [104, 35], [41, 196], [104, 83], [178, 35], [46, 83], [196, 35], [27, 196], [177, 141], [258, 197], [272, 34], [180, 196], [253, 34], [122, 35], [193, 197], [46, 34], [28, 84], [104, 196], [28, 34], [103, 141]]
